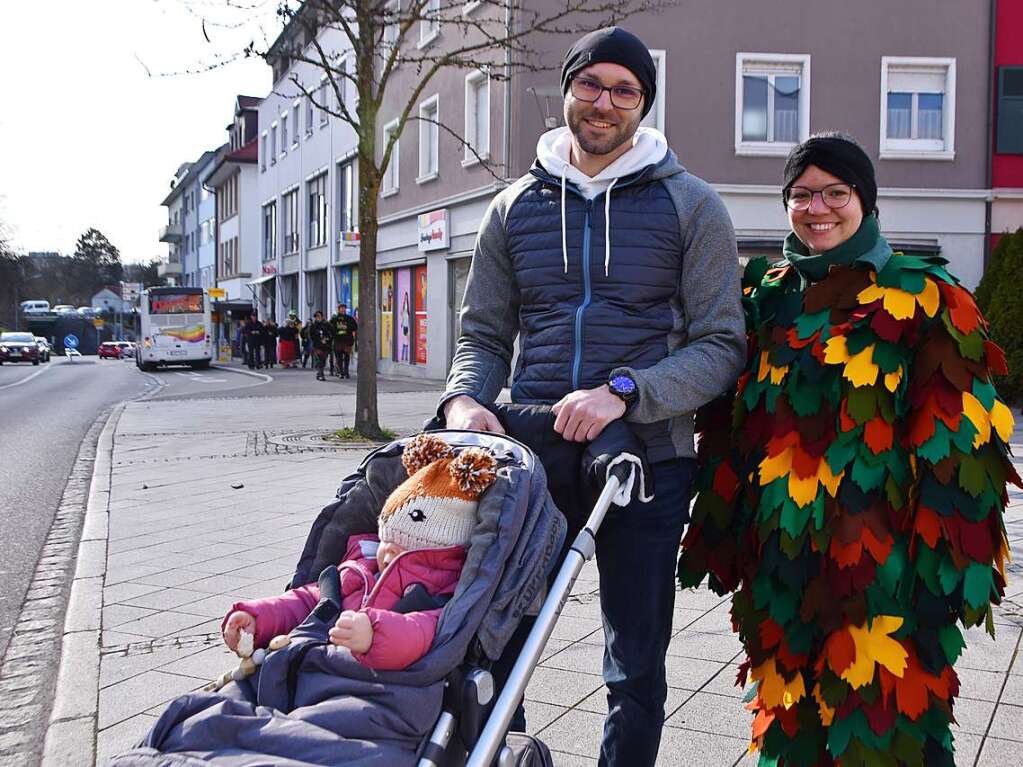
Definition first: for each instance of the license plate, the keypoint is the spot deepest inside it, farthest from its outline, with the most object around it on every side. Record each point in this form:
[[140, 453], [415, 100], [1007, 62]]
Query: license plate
[[177, 352]]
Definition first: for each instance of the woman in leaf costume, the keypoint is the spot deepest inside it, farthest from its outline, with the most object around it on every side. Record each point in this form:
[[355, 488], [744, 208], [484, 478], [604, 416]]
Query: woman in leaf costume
[[851, 493]]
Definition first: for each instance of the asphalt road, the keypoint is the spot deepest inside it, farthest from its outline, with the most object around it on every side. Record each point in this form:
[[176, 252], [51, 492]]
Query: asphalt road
[[45, 411]]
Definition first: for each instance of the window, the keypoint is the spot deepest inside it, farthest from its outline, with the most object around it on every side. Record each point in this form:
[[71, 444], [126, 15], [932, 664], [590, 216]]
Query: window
[[308, 115], [429, 136], [284, 132], [1010, 111], [391, 174], [342, 84], [206, 232], [229, 257], [655, 117], [290, 210], [227, 198], [324, 114], [348, 188], [470, 6], [295, 123], [477, 117], [917, 108], [270, 231], [429, 25], [273, 144], [772, 102], [318, 211], [392, 29]]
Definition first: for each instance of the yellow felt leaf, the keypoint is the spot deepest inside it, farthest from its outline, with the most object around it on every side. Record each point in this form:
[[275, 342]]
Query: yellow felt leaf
[[873, 645], [779, 466], [1001, 419], [929, 298], [827, 713], [892, 380], [978, 417], [766, 369], [898, 303], [836, 351], [870, 294], [829, 480], [860, 369], [774, 691], [802, 491]]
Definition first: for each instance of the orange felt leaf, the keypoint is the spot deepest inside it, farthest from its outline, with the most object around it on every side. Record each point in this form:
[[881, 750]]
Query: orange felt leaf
[[961, 309], [848, 555], [761, 722], [911, 692], [927, 525], [841, 650], [795, 342], [878, 548], [878, 435]]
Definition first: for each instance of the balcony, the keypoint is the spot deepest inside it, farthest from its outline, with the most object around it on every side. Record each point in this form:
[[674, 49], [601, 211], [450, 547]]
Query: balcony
[[169, 268], [171, 232]]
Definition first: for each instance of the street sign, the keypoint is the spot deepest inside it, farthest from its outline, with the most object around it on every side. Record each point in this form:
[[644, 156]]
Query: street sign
[[216, 292], [98, 322], [130, 290], [71, 340]]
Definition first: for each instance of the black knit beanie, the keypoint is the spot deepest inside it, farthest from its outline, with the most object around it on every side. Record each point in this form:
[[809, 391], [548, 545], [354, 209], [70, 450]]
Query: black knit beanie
[[612, 45], [840, 156]]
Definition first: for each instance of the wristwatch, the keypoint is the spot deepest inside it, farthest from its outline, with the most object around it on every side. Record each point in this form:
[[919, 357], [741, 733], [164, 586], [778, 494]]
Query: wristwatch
[[623, 386]]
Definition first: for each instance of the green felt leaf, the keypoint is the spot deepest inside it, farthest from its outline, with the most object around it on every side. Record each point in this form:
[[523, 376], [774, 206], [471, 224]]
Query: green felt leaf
[[808, 324], [972, 475], [893, 491], [985, 392], [926, 566], [907, 750], [755, 271], [842, 451], [952, 642], [867, 474], [977, 585], [938, 446], [890, 573], [886, 356], [805, 398], [773, 496], [859, 339], [962, 439], [948, 575], [862, 403]]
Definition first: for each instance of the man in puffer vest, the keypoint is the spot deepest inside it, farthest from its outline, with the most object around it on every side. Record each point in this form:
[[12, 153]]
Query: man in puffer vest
[[617, 270]]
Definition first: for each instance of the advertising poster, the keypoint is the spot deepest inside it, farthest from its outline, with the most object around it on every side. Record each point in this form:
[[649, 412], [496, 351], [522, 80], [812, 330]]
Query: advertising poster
[[171, 303], [403, 306], [387, 315], [419, 280], [344, 291], [353, 307]]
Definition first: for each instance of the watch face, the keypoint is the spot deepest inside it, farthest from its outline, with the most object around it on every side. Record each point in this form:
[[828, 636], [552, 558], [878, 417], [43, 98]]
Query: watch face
[[623, 384]]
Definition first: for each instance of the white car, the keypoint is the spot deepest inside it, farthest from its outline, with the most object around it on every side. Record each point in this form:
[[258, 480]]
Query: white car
[[44, 348], [86, 311], [64, 309]]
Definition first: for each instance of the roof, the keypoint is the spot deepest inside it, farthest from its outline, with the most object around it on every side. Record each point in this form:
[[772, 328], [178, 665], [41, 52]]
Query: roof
[[249, 102], [248, 153], [194, 169]]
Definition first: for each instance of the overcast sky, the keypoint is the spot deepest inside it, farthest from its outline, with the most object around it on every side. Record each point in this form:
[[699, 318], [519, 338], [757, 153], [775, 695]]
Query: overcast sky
[[87, 137]]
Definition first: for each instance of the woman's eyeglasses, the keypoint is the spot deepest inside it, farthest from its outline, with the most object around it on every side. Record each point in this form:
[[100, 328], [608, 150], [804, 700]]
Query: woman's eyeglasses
[[622, 96], [834, 196]]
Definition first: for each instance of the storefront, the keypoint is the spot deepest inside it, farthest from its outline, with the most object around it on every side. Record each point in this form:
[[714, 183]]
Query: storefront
[[403, 315]]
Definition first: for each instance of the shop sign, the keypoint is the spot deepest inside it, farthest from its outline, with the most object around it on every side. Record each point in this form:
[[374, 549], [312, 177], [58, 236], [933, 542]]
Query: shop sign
[[217, 293], [433, 230]]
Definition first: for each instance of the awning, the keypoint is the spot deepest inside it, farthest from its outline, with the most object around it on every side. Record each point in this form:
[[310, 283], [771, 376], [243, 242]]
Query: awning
[[261, 280]]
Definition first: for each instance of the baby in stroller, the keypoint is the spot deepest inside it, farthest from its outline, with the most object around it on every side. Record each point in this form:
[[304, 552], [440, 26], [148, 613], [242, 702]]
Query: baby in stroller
[[393, 586]]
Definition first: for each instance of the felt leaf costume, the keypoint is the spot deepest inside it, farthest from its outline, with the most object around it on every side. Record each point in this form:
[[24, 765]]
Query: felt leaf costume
[[851, 495]]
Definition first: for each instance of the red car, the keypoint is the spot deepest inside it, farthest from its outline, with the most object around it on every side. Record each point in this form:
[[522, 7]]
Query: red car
[[18, 347], [110, 349]]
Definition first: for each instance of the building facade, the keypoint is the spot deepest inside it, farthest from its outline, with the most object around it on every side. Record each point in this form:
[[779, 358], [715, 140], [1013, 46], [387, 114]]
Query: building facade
[[170, 268], [1007, 117]]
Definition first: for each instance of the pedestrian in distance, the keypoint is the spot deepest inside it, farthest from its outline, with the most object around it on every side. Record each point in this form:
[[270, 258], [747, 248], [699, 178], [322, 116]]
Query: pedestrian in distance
[[253, 334], [345, 329], [624, 295], [289, 337], [269, 343], [306, 341], [852, 491], [322, 341]]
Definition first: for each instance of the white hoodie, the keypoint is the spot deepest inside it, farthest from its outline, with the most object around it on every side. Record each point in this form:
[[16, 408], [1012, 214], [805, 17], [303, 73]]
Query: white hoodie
[[554, 153]]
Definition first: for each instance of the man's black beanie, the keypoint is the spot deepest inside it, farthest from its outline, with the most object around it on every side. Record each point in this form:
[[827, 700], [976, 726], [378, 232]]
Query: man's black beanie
[[612, 45], [840, 156]]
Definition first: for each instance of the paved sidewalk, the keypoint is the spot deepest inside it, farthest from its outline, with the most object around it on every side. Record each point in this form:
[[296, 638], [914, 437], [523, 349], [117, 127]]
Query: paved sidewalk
[[211, 500]]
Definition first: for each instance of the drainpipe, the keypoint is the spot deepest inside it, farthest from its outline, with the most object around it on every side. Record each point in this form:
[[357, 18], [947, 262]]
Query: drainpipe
[[508, 21], [992, 27]]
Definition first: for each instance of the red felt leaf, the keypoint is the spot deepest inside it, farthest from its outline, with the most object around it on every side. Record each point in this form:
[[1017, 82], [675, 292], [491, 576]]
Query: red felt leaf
[[726, 481], [770, 634], [880, 717], [887, 327], [911, 690], [845, 420], [878, 435], [927, 525], [994, 357], [878, 546], [804, 465], [793, 340], [846, 555], [790, 660], [787, 719]]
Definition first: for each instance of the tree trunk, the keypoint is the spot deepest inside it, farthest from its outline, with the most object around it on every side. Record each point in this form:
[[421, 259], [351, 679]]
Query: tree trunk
[[367, 420]]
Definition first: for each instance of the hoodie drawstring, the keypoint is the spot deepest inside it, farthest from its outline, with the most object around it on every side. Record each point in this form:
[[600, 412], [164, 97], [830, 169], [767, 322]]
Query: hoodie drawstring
[[564, 236], [607, 227]]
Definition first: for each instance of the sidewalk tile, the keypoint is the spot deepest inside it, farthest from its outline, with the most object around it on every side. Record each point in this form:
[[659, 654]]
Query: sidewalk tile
[[1000, 753], [690, 747], [561, 688], [577, 732], [205, 664], [973, 716], [122, 736], [711, 713], [1007, 722], [166, 599], [162, 624], [539, 715], [126, 699], [693, 644]]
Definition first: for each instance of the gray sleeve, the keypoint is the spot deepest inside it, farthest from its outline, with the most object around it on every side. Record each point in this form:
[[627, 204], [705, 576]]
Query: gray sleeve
[[489, 314], [713, 333]]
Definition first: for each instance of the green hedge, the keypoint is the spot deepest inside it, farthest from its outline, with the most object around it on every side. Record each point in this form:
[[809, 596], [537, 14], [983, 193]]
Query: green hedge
[[1000, 298]]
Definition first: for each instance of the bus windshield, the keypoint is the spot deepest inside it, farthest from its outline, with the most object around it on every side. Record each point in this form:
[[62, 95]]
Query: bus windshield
[[176, 303]]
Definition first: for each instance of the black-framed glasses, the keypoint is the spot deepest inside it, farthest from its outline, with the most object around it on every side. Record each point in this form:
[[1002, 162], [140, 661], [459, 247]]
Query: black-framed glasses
[[834, 196], [622, 96]]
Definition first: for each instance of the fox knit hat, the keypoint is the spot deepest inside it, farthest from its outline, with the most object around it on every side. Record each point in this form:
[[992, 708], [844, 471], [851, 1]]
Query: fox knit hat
[[436, 506]]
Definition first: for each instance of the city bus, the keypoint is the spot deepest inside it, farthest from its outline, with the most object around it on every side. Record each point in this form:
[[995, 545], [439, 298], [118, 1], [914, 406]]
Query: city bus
[[173, 327]]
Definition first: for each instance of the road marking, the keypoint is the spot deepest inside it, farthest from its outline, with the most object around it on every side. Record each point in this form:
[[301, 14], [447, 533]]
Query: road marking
[[27, 379]]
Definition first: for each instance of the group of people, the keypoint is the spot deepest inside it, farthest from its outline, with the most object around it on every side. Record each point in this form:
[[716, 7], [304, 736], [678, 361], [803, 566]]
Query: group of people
[[853, 452], [265, 344]]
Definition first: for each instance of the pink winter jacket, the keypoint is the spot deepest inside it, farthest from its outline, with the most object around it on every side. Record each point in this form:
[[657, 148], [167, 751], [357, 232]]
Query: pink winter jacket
[[399, 640]]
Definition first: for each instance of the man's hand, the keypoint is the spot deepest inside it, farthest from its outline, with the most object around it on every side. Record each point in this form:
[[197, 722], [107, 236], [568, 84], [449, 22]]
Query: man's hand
[[464, 412], [237, 622], [583, 414], [352, 630]]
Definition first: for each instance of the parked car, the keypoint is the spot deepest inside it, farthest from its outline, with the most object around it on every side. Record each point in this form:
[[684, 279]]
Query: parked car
[[64, 309], [87, 311], [44, 348], [127, 350], [35, 307], [18, 347], [110, 349]]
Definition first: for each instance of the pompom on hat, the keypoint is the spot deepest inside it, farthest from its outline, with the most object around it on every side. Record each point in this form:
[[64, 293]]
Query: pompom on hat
[[436, 506]]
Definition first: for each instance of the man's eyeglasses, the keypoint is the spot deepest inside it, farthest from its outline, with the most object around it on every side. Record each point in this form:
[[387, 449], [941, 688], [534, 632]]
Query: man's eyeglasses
[[622, 96], [834, 196]]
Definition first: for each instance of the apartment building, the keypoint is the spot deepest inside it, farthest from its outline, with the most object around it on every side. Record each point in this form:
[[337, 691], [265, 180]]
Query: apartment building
[[169, 268], [196, 209], [1007, 116]]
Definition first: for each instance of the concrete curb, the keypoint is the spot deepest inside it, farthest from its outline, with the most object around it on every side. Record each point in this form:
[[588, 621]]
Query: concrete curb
[[71, 734], [266, 378]]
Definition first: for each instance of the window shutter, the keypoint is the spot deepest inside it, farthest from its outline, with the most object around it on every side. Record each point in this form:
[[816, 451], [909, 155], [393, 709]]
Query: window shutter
[[1010, 110]]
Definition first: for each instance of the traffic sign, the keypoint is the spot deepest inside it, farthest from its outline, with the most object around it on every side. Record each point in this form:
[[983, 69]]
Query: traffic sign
[[216, 292], [71, 340], [98, 322]]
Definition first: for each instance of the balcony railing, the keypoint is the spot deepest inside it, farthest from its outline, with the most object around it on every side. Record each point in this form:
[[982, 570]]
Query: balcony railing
[[171, 232]]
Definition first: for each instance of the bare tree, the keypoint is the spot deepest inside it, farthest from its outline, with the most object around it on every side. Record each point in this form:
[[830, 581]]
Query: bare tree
[[378, 53]]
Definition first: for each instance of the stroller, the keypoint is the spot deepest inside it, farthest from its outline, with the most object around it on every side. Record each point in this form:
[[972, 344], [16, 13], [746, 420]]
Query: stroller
[[312, 703]]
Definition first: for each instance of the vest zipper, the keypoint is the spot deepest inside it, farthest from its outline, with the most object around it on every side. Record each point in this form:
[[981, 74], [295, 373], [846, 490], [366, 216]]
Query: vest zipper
[[577, 357]]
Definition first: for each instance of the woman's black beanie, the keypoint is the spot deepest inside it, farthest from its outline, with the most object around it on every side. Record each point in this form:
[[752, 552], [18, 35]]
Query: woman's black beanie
[[612, 45], [839, 155]]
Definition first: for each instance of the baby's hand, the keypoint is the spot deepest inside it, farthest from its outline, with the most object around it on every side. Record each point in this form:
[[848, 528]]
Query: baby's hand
[[353, 630], [237, 622]]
